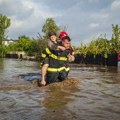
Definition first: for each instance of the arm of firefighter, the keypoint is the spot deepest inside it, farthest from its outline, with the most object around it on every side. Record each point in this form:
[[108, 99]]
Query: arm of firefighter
[[52, 45], [55, 47]]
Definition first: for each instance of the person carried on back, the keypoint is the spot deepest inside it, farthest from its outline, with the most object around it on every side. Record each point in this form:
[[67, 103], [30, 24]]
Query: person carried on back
[[52, 45], [53, 52]]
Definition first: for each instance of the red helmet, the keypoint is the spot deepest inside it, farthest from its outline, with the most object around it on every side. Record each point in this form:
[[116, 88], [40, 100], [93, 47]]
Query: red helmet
[[63, 34]]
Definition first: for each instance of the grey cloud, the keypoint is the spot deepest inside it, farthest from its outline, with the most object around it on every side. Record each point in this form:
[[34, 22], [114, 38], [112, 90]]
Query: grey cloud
[[15, 8], [86, 19], [79, 21], [58, 5]]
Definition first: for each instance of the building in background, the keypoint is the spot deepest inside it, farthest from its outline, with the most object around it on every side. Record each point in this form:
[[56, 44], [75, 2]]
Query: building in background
[[7, 42]]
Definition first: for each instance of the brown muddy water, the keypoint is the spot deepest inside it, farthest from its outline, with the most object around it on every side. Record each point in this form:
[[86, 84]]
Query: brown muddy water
[[95, 97]]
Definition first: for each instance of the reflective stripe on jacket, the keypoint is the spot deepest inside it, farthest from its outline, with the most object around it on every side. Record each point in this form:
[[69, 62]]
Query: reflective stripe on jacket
[[58, 69], [47, 52], [57, 60]]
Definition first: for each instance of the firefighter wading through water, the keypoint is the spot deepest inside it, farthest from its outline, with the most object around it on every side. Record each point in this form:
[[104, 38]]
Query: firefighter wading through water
[[58, 62]]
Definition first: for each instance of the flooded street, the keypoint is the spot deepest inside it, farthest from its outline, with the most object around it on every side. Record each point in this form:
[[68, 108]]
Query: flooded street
[[95, 97]]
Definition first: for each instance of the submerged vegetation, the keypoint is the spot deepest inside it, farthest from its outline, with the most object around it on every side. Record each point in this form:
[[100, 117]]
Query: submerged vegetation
[[35, 46]]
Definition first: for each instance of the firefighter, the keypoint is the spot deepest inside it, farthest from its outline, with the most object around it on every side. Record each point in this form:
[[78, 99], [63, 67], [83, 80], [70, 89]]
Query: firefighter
[[51, 45], [61, 36], [57, 70]]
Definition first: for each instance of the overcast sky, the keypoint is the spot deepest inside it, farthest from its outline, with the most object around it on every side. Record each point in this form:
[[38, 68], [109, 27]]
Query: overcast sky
[[85, 19]]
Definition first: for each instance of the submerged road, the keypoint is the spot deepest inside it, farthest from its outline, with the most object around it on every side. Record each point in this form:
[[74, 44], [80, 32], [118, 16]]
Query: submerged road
[[95, 97]]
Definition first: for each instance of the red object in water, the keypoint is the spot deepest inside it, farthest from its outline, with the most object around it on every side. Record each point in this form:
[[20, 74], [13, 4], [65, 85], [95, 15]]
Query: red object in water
[[118, 56]]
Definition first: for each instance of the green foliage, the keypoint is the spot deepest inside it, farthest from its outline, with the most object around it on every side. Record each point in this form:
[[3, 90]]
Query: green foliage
[[40, 44], [3, 50], [83, 49], [102, 45], [93, 48], [4, 24], [31, 47], [115, 40], [23, 44], [48, 26], [37, 45]]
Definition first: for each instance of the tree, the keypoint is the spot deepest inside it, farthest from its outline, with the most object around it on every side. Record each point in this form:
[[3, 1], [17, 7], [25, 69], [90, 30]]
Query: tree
[[103, 47], [40, 44], [3, 51], [48, 26], [4, 24], [115, 40], [23, 44]]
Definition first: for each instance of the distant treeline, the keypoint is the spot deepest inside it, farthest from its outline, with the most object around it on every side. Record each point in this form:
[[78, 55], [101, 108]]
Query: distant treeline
[[101, 50], [96, 52], [102, 45]]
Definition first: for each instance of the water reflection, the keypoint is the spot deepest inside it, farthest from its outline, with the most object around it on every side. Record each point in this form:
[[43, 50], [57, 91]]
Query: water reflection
[[1, 65], [99, 96]]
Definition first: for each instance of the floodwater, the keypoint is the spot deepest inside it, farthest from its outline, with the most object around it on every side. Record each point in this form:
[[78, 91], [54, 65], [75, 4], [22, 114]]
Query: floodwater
[[95, 97]]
